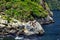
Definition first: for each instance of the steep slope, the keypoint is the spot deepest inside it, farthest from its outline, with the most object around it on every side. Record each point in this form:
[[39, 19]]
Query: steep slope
[[24, 16]]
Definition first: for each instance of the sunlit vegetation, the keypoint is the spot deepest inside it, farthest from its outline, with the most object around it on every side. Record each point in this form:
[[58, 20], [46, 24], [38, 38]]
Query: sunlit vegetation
[[22, 9]]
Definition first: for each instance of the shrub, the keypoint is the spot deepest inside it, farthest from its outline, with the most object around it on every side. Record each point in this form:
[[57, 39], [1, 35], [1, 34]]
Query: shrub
[[23, 9]]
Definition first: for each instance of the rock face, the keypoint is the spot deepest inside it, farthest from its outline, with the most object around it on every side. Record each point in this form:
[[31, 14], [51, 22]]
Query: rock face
[[46, 20], [29, 28], [44, 5], [3, 21], [49, 18], [2, 26], [33, 28]]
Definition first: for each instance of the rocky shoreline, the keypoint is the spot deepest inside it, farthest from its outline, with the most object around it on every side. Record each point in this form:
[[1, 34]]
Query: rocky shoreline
[[16, 28], [29, 28], [20, 28]]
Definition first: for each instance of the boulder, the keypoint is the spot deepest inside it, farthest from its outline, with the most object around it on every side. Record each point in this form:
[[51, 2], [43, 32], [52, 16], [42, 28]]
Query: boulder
[[12, 31], [15, 23], [8, 26], [2, 26], [3, 21], [35, 28]]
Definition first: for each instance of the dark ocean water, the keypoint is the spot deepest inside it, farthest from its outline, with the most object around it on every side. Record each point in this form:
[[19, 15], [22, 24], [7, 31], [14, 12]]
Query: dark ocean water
[[52, 31]]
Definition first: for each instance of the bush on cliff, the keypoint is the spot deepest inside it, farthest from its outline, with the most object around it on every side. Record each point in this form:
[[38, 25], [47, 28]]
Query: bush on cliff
[[22, 9]]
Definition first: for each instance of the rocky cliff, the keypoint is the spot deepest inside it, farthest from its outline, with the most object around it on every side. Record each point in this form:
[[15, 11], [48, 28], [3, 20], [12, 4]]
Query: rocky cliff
[[24, 17]]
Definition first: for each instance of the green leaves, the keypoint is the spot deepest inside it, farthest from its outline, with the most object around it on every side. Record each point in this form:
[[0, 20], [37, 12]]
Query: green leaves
[[8, 5], [23, 9]]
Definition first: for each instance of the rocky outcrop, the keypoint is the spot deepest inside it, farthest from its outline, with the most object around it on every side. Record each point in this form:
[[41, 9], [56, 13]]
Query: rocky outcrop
[[33, 28], [17, 27], [47, 19], [45, 6], [28, 28]]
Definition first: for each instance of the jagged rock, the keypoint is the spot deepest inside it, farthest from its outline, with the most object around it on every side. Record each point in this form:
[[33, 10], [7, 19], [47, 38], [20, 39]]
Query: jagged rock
[[3, 21], [29, 28], [49, 18], [8, 26], [15, 23], [50, 12], [42, 2], [46, 20], [12, 31], [35, 28], [2, 26]]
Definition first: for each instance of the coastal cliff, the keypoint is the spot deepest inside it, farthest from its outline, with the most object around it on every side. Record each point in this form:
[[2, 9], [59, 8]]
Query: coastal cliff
[[24, 17]]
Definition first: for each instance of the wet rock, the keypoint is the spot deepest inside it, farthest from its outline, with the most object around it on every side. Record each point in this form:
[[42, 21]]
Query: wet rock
[[19, 38], [46, 20], [12, 31], [50, 12], [49, 19]]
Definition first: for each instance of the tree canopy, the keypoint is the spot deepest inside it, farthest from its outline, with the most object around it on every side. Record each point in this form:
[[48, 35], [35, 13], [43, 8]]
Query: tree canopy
[[22, 9]]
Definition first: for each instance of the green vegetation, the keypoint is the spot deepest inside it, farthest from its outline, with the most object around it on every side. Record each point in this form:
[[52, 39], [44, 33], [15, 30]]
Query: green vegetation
[[54, 4], [22, 9]]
